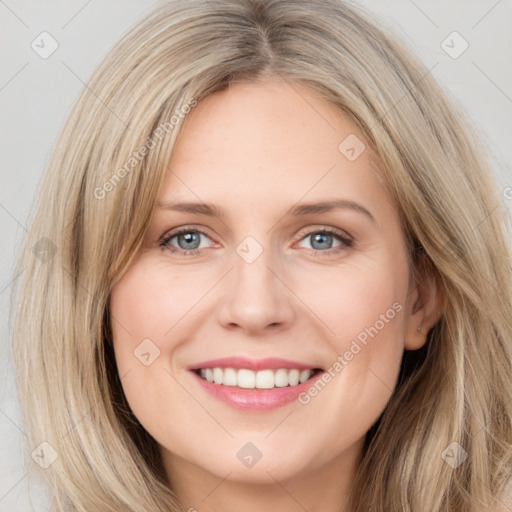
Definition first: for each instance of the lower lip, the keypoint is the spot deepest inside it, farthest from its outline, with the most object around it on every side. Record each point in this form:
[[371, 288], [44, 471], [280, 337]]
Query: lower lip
[[256, 399]]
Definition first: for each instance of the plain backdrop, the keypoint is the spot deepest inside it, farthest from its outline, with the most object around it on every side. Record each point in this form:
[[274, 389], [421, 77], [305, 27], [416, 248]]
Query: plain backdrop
[[36, 94]]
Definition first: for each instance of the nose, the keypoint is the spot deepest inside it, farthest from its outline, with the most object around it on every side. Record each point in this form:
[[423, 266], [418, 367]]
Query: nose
[[256, 298]]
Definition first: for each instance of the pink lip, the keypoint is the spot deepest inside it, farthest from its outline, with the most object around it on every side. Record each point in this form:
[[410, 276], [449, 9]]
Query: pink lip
[[251, 364], [255, 400]]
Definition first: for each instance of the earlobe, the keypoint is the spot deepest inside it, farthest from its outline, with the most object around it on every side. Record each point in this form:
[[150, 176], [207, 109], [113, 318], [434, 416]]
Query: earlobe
[[415, 335], [416, 340], [427, 305]]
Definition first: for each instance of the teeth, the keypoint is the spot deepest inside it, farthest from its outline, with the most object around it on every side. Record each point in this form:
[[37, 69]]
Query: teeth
[[248, 379], [218, 375], [265, 379], [304, 375], [293, 377], [230, 377], [281, 378]]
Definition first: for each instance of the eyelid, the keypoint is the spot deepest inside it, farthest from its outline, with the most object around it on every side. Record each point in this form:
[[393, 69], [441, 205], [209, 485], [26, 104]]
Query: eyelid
[[325, 229], [183, 229]]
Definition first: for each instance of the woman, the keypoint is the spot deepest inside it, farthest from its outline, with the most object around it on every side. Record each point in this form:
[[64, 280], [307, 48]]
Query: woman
[[277, 277]]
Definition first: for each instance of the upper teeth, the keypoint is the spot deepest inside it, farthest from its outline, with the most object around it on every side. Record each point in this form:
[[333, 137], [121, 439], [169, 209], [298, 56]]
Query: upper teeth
[[248, 379]]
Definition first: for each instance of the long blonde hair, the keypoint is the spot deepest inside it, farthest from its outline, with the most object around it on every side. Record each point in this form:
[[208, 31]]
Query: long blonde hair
[[97, 198]]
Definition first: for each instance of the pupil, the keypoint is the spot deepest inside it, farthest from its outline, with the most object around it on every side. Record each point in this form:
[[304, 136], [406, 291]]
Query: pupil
[[323, 239], [190, 239]]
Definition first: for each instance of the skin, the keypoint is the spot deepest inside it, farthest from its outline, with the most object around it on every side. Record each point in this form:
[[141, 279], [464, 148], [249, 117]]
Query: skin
[[255, 151]]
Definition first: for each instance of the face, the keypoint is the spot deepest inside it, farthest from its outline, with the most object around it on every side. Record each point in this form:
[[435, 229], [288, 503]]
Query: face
[[275, 266]]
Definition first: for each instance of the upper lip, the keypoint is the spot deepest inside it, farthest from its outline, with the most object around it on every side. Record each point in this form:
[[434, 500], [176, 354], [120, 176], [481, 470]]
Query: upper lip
[[270, 363]]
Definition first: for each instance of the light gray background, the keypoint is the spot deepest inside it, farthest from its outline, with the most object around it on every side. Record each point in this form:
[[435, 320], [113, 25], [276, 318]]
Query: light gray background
[[36, 95]]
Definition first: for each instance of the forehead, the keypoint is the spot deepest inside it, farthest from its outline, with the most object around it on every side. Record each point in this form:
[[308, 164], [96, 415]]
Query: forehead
[[270, 143]]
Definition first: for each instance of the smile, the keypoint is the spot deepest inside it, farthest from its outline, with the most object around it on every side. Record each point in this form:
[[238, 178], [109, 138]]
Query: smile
[[262, 379], [255, 385]]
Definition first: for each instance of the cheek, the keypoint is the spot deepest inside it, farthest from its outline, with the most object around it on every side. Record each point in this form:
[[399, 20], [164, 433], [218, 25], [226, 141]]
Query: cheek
[[362, 303], [148, 303], [371, 312], [365, 307], [146, 309]]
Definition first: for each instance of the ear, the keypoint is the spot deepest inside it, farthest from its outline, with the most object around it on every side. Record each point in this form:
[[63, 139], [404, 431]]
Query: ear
[[426, 303]]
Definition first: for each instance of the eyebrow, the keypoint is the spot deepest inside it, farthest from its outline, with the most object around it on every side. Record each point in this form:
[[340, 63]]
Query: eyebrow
[[297, 210]]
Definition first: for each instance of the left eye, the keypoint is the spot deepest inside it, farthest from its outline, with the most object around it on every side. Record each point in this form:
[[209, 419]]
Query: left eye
[[324, 240]]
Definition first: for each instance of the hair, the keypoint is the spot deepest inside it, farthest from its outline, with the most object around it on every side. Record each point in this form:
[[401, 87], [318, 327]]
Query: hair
[[97, 198]]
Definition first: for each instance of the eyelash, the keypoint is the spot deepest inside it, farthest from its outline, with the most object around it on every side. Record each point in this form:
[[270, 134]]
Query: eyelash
[[344, 239]]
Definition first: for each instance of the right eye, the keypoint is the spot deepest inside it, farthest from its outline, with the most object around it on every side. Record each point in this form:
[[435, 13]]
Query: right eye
[[187, 241]]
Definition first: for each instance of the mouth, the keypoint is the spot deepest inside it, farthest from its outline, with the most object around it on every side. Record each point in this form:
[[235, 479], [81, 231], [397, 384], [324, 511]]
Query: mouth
[[245, 378], [255, 385]]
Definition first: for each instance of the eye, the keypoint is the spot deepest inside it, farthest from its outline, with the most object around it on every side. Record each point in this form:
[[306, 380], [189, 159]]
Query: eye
[[323, 240], [188, 241], [184, 242]]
